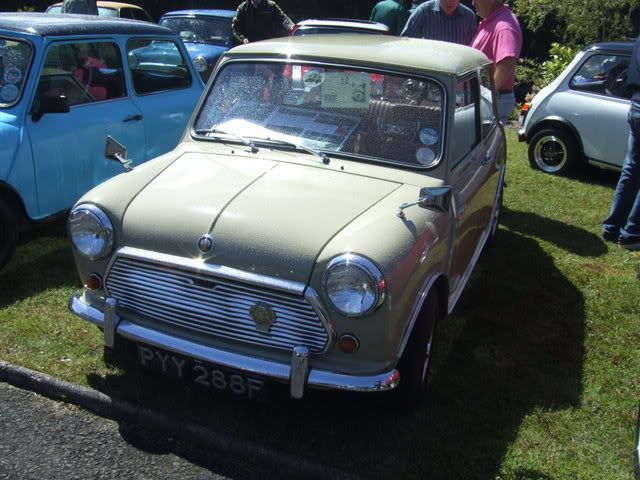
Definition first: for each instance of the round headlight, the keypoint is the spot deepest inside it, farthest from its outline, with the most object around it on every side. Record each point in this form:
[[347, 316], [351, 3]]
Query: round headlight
[[200, 63], [354, 285], [90, 231]]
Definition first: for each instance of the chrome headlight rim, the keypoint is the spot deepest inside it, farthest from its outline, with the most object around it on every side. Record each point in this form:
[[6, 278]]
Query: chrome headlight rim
[[366, 266], [201, 63], [106, 225]]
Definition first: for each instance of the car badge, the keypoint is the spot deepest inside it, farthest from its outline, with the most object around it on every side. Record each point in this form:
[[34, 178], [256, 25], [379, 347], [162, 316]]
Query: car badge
[[264, 316], [205, 243]]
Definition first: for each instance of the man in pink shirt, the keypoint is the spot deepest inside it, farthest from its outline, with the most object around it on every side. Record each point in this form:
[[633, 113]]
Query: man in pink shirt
[[499, 37]]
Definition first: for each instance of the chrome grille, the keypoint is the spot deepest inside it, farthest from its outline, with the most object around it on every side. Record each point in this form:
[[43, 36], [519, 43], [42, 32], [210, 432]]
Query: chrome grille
[[203, 303]]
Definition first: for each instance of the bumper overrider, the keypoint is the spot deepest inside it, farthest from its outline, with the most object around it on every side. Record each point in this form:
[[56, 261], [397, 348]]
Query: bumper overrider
[[297, 373]]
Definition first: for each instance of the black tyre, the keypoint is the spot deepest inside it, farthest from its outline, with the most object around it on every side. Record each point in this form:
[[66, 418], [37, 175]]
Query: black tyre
[[415, 364], [8, 233], [554, 151]]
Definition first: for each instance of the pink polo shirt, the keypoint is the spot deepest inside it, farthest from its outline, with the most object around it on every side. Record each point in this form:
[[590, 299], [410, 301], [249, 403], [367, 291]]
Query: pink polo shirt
[[499, 36]]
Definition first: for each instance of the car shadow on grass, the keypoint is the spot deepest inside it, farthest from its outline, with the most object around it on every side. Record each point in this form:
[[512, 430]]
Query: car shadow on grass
[[42, 261], [573, 239], [514, 344]]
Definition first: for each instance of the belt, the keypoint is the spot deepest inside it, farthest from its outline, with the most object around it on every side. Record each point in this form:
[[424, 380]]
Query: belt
[[502, 92]]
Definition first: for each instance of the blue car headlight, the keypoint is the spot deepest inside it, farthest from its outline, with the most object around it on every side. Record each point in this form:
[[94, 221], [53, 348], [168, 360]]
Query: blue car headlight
[[90, 231], [354, 285]]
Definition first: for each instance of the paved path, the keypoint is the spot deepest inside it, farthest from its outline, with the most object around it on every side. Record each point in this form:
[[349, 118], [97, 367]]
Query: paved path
[[45, 439]]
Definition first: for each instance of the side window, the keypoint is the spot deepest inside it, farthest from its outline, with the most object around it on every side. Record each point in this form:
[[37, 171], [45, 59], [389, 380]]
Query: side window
[[603, 74], [139, 14], [156, 66], [487, 115], [466, 133], [84, 72], [126, 13]]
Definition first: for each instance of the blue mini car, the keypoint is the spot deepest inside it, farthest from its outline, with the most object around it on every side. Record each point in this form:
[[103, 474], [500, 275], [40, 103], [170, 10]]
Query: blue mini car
[[66, 83], [206, 34]]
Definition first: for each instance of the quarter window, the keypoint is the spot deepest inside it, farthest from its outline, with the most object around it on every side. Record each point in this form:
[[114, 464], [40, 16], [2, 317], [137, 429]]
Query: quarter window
[[15, 57], [487, 116], [466, 134], [603, 74], [83, 72], [157, 66]]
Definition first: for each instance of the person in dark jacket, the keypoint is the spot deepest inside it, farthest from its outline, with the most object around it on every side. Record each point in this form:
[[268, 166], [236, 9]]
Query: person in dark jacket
[[393, 13], [259, 20], [623, 223], [83, 7]]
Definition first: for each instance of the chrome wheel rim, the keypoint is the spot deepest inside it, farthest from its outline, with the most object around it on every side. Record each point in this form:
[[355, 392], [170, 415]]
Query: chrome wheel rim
[[550, 154]]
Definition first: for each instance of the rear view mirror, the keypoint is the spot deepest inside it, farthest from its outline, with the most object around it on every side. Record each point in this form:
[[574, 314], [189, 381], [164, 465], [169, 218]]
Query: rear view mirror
[[49, 104], [117, 152]]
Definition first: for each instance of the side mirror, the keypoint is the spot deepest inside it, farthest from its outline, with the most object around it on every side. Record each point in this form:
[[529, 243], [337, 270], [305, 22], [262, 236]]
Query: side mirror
[[49, 104], [435, 198], [117, 152]]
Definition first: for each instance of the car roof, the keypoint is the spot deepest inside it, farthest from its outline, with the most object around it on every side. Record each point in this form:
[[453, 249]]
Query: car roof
[[379, 51], [344, 23], [53, 25], [617, 46], [107, 4], [205, 12]]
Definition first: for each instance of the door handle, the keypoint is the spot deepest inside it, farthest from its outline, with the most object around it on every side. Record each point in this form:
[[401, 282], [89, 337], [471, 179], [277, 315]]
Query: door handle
[[486, 158], [133, 118]]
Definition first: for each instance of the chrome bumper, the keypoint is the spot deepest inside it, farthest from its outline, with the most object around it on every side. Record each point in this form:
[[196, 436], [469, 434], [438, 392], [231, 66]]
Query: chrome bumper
[[297, 374]]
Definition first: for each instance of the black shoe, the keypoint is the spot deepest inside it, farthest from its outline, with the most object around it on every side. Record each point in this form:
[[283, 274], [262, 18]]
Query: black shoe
[[633, 245], [609, 236]]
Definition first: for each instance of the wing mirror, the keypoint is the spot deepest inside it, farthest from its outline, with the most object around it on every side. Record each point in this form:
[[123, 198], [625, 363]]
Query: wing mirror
[[117, 152], [49, 104], [437, 198]]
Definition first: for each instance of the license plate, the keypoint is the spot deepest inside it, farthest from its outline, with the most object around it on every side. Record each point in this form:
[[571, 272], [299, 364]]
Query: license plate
[[199, 373]]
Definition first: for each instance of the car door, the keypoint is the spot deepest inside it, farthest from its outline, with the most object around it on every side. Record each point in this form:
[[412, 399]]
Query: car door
[[68, 148], [597, 104], [472, 176], [165, 89]]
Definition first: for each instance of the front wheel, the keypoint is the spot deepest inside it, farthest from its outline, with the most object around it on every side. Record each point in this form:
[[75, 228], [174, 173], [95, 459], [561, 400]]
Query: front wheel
[[415, 364], [8, 233], [553, 151]]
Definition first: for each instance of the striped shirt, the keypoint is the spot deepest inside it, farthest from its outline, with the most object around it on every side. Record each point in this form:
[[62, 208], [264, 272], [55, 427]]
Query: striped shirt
[[428, 21]]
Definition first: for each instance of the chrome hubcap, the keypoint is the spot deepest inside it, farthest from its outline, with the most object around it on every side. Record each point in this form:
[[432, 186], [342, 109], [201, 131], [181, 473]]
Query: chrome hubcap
[[550, 154]]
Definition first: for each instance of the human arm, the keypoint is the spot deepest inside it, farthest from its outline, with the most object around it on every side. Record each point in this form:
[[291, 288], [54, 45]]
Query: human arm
[[238, 25], [503, 72], [282, 19]]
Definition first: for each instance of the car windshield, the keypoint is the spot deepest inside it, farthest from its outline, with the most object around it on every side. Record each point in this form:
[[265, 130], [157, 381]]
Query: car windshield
[[15, 57], [369, 115], [211, 30]]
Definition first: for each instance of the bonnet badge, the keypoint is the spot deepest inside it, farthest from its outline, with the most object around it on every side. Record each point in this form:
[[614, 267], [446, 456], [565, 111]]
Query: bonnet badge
[[205, 243]]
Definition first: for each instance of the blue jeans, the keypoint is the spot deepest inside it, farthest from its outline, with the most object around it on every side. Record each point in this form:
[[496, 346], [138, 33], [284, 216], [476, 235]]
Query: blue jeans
[[624, 218], [506, 103]]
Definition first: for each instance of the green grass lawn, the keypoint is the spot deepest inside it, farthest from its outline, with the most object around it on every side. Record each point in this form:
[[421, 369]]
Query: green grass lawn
[[537, 372]]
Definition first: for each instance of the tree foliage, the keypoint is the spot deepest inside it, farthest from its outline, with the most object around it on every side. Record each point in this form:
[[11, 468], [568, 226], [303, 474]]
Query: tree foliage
[[578, 22]]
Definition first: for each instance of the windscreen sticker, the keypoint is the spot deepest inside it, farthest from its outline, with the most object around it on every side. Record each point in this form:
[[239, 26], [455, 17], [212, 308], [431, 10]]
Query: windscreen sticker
[[346, 90], [313, 78], [12, 75], [425, 156], [9, 93], [428, 136]]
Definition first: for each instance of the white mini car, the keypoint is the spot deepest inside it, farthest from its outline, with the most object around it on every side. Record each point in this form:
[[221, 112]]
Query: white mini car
[[582, 115]]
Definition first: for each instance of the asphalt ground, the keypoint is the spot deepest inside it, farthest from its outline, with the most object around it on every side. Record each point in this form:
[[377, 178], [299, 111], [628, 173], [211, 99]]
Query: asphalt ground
[[43, 434]]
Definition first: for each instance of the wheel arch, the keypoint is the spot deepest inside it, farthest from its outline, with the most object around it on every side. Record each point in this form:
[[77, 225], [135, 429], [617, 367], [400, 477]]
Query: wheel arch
[[10, 196], [554, 121]]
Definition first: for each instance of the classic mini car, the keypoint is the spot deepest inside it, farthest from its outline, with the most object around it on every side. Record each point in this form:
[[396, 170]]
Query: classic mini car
[[113, 9], [66, 83], [206, 34], [582, 115], [339, 25], [310, 228]]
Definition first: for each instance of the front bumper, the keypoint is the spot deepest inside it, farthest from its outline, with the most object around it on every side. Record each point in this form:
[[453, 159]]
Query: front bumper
[[297, 374]]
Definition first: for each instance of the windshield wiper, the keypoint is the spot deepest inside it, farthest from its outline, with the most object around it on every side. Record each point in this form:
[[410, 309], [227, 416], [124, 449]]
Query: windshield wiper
[[325, 158], [239, 138]]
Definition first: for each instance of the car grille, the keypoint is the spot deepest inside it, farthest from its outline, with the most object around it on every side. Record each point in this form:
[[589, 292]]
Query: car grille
[[203, 303]]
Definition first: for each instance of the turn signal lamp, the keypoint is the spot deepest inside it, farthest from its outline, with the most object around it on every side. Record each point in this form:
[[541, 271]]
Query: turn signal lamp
[[348, 343], [523, 112], [94, 282]]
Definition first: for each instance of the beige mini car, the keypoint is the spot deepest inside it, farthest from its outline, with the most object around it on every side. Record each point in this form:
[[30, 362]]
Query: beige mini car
[[322, 214], [113, 9]]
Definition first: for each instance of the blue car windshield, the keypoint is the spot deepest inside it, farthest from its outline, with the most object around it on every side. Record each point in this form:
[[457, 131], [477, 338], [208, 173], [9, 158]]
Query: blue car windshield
[[15, 58], [358, 113], [210, 30]]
